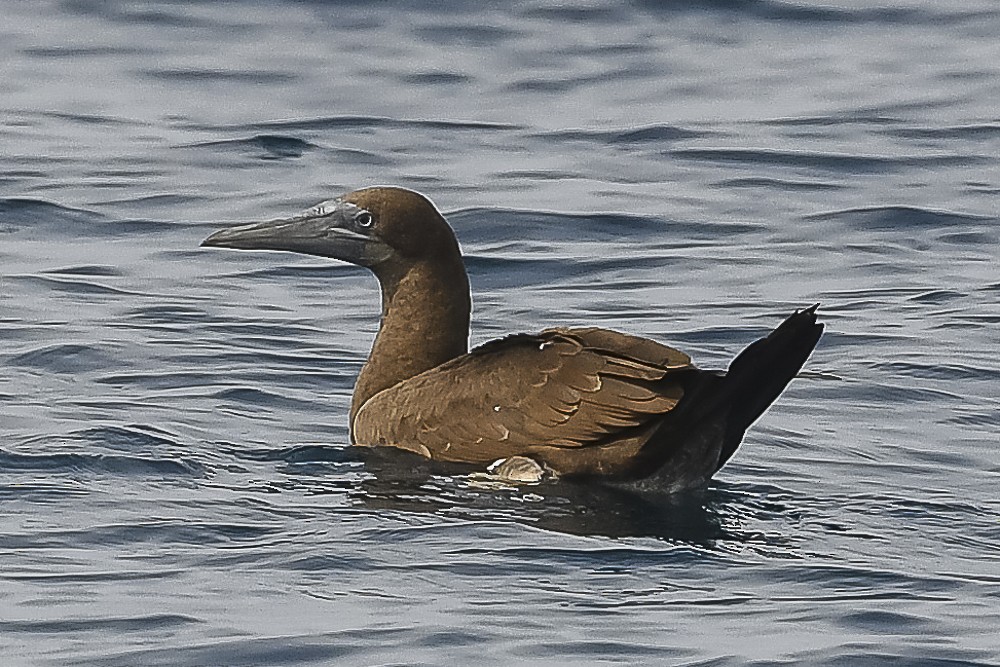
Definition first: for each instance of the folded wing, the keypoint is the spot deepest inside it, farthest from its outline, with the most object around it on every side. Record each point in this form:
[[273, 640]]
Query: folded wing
[[562, 391]]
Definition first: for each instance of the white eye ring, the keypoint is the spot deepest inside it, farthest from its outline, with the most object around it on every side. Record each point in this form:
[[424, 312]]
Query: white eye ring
[[363, 219]]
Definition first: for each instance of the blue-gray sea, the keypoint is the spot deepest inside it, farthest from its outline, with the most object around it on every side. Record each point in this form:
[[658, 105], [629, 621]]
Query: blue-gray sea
[[175, 482]]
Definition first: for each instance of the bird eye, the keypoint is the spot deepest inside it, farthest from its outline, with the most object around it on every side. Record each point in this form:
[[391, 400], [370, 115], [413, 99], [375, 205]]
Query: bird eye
[[364, 219]]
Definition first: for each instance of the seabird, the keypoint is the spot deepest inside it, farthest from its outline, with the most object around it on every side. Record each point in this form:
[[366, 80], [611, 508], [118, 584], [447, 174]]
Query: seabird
[[570, 402]]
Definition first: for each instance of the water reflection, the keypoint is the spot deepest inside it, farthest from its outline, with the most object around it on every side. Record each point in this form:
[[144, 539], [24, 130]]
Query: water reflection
[[403, 482]]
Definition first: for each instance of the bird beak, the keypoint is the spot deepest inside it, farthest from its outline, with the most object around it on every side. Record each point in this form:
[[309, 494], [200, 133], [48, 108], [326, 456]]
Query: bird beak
[[311, 235]]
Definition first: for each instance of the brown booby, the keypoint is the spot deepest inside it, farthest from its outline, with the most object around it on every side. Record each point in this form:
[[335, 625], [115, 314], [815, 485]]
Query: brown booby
[[573, 402]]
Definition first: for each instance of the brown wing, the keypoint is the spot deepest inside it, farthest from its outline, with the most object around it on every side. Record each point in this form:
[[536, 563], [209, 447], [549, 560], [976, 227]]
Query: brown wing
[[568, 397]]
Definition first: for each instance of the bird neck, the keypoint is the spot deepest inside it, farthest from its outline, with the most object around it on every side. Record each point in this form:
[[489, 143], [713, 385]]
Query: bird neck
[[425, 322]]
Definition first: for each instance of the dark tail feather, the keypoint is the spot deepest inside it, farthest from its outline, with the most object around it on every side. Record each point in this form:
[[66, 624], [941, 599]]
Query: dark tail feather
[[762, 371]]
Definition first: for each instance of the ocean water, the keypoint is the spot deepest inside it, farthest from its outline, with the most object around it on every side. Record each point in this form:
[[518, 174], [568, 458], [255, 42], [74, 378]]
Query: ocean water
[[175, 482]]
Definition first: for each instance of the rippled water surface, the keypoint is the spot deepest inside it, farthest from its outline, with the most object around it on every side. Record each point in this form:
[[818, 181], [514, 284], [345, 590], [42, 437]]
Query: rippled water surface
[[175, 483]]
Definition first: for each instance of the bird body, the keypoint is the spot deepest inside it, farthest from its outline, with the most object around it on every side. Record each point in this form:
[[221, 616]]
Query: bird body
[[574, 402]]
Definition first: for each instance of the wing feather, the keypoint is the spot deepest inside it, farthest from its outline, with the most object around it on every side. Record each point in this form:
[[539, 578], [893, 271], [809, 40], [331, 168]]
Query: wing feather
[[562, 388]]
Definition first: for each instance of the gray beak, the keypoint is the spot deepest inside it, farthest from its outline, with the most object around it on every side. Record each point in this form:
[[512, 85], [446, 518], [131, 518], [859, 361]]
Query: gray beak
[[325, 236]]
